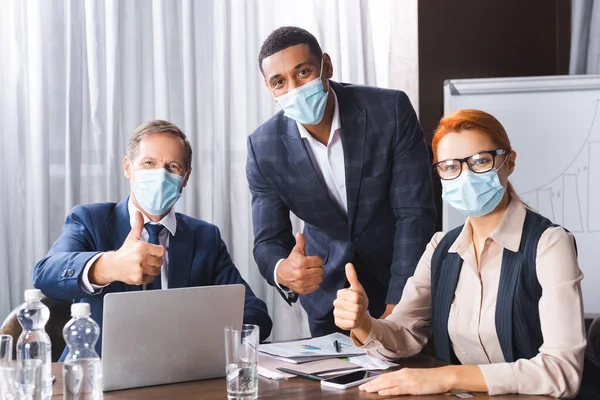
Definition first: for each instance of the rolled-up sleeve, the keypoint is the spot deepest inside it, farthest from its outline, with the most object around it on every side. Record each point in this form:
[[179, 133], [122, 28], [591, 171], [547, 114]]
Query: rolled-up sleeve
[[558, 367]]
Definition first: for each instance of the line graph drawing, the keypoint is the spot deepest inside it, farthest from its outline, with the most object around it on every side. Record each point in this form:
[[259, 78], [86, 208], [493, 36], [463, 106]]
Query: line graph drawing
[[572, 198], [544, 203], [593, 179], [571, 205]]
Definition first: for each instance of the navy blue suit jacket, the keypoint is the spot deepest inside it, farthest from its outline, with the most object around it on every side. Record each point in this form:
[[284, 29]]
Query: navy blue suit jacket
[[197, 256], [391, 215]]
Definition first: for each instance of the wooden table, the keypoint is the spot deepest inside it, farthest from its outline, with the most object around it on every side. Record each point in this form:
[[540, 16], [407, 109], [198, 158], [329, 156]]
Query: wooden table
[[296, 388]]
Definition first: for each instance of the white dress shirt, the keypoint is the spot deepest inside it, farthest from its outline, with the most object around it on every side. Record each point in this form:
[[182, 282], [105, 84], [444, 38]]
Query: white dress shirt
[[328, 161], [170, 224]]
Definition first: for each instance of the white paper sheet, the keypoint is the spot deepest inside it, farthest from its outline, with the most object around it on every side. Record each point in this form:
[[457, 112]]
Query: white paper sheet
[[371, 363], [320, 346]]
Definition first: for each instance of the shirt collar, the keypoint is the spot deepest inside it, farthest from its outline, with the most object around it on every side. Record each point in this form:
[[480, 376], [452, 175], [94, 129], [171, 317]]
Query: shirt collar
[[169, 221], [463, 241], [335, 123], [510, 230], [507, 234]]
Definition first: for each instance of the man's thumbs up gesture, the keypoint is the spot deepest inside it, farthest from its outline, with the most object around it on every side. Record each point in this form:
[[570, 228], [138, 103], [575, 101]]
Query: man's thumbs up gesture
[[350, 306], [300, 273], [136, 262]]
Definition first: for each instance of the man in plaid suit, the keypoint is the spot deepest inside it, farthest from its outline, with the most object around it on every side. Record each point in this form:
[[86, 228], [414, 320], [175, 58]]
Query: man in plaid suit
[[352, 163]]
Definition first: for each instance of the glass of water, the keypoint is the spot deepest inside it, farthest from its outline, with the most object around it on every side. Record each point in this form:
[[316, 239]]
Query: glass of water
[[241, 359], [21, 380], [6, 348]]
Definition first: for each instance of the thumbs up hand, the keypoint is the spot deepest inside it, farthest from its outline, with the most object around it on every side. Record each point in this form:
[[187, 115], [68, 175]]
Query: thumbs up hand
[[300, 273], [351, 305], [352, 278], [136, 262], [135, 235]]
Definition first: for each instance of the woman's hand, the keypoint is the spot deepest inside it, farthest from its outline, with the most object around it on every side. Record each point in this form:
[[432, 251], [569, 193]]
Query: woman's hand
[[411, 381], [350, 306], [428, 381]]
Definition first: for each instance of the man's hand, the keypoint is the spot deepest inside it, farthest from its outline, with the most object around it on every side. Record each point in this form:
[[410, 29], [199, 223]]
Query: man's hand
[[351, 305], [136, 262], [300, 273]]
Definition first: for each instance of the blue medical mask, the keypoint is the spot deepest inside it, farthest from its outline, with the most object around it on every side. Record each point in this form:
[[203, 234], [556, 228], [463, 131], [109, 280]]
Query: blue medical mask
[[305, 104], [472, 194], [157, 190]]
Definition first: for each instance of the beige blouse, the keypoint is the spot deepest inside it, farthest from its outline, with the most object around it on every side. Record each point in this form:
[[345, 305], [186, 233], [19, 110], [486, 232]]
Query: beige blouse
[[557, 368]]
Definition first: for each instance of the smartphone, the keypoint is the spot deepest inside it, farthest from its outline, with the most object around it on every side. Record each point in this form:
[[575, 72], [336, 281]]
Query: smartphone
[[350, 380]]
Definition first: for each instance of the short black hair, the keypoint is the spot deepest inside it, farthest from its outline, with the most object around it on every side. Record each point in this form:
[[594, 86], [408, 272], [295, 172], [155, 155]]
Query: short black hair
[[288, 36]]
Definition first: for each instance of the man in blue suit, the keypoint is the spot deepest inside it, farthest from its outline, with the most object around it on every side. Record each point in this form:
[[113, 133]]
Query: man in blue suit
[[352, 163], [141, 243]]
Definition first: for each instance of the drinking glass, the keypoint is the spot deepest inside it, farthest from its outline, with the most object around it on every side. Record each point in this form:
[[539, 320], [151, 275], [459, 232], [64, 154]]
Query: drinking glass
[[21, 380], [241, 360], [6, 342]]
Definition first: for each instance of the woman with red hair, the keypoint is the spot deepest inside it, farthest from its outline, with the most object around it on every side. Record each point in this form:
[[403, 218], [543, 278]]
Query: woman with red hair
[[500, 296]]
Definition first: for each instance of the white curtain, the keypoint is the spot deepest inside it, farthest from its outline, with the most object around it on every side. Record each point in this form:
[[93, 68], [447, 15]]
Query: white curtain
[[78, 76], [585, 37]]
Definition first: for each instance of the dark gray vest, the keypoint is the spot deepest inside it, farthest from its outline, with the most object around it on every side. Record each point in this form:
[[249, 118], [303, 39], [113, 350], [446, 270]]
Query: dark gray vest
[[517, 314]]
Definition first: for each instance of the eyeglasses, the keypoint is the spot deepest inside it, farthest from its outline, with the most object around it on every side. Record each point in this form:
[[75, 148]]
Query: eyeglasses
[[479, 163]]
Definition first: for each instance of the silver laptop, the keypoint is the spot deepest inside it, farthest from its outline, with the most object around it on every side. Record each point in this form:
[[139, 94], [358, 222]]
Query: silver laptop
[[165, 336]]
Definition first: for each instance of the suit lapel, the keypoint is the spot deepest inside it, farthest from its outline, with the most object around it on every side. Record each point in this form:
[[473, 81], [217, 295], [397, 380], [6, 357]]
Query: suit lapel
[[119, 223], [298, 153], [181, 254], [354, 125], [119, 229]]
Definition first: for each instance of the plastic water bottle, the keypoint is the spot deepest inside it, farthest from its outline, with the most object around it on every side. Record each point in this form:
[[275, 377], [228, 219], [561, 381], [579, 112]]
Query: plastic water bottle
[[34, 342], [82, 369]]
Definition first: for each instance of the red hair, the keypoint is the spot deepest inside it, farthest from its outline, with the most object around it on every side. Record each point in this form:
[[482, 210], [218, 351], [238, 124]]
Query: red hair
[[471, 120]]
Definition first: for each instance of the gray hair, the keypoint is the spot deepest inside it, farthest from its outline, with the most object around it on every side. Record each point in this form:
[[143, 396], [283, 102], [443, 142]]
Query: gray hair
[[158, 126]]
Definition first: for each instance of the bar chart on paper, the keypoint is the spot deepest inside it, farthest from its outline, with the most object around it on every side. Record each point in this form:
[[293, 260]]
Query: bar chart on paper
[[554, 127]]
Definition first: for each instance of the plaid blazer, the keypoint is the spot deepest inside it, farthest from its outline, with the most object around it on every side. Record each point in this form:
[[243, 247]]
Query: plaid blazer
[[391, 215]]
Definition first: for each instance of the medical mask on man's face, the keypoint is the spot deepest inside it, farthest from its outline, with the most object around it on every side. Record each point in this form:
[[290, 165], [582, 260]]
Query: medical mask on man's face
[[472, 194], [305, 104], [157, 190]]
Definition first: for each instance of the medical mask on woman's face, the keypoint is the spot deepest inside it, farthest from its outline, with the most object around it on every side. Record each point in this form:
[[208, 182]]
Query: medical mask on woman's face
[[157, 190], [472, 194], [305, 104]]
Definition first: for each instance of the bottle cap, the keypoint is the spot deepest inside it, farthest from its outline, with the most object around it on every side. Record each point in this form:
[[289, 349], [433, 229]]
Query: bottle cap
[[80, 310], [33, 294]]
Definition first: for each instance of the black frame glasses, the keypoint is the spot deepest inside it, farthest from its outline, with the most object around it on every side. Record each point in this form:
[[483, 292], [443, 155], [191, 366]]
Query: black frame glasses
[[471, 163]]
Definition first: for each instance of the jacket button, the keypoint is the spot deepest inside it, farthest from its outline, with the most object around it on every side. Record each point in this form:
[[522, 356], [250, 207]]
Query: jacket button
[[355, 238], [70, 273]]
